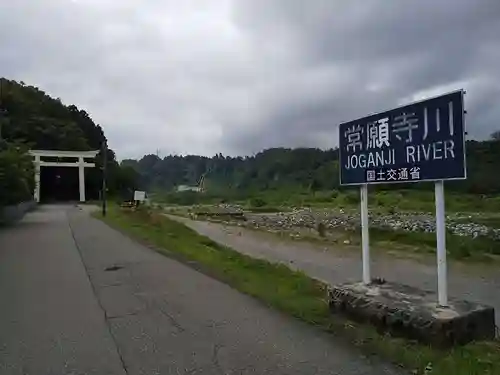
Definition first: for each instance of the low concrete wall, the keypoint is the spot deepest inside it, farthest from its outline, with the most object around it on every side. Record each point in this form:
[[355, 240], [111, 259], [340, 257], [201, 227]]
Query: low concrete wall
[[11, 214]]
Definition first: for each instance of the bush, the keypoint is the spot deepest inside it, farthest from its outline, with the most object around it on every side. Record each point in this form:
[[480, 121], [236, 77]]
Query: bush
[[352, 197], [322, 197], [16, 175], [184, 198], [257, 202]]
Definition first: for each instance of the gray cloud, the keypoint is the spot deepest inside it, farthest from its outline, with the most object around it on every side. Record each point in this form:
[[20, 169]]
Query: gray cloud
[[238, 76]]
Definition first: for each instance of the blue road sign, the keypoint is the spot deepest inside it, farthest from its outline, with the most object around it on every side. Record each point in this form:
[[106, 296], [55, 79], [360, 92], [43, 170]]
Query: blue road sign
[[422, 141]]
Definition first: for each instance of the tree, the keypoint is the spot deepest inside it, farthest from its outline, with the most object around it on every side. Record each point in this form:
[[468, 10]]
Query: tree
[[32, 119], [16, 174], [299, 169], [496, 135]]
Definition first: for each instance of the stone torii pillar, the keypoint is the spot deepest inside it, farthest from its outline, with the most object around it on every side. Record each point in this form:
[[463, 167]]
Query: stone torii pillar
[[36, 194], [81, 164], [81, 178]]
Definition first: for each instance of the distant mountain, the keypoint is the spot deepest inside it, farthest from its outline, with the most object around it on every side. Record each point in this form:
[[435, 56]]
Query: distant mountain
[[300, 169]]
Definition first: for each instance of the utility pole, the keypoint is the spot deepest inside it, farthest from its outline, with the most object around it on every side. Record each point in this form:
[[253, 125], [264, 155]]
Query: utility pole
[[2, 111], [104, 152]]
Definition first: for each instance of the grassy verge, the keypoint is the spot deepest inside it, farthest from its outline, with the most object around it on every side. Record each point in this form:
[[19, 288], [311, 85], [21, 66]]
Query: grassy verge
[[458, 247], [390, 201], [379, 200], [461, 248], [298, 295], [489, 221]]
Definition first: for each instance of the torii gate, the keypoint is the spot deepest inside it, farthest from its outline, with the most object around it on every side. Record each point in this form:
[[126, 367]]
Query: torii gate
[[81, 164]]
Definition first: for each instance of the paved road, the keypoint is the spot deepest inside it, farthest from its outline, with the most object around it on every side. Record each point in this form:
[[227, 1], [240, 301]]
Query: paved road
[[480, 285], [63, 313]]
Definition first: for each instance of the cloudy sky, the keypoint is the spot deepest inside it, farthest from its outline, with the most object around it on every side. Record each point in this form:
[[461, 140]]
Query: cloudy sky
[[209, 76]]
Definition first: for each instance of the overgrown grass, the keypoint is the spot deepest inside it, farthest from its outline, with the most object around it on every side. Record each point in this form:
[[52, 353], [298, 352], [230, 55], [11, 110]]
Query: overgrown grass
[[492, 221], [458, 247], [298, 295], [396, 200], [480, 249], [393, 200]]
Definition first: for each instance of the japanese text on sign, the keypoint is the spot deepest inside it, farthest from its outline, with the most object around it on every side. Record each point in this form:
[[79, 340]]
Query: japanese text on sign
[[421, 141]]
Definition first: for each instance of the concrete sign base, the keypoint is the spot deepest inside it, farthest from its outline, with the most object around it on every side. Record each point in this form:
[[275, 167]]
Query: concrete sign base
[[409, 312]]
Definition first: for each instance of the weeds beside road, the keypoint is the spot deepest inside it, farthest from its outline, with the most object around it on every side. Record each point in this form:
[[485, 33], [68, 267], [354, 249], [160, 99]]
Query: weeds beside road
[[304, 226], [298, 295]]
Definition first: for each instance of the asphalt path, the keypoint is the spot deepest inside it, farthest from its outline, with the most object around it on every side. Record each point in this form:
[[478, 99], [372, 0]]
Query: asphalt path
[[80, 298]]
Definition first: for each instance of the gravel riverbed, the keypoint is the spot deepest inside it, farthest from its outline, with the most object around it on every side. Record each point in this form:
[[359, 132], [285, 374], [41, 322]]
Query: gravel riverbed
[[460, 224]]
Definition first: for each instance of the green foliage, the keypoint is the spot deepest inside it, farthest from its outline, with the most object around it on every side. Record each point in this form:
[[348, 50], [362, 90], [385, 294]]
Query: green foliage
[[124, 180], [423, 201], [185, 198], [31, 118], [352, 197], [308, 170], [16, 174], [257, 202], [34, 118], [273, 169], [458, 247]]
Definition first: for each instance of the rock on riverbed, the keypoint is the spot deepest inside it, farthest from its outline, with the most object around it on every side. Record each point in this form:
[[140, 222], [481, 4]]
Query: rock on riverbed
[[338, 218]]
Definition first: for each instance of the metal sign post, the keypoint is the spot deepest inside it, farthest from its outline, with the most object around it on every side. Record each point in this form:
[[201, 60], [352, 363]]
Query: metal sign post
[[422, 141], [365, 239], [441, 245]]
